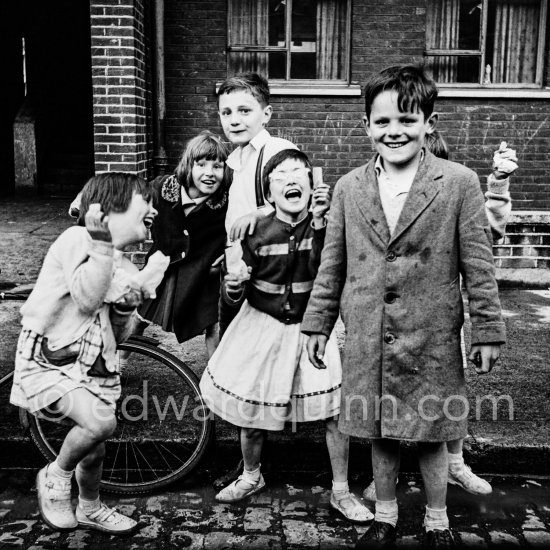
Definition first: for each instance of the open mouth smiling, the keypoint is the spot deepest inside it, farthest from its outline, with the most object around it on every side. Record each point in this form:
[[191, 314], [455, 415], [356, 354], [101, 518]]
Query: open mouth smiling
[[293, 195], [396, 145]]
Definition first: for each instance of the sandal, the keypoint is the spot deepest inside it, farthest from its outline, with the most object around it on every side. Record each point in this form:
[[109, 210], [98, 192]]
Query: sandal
[[351, 508], [239, 490]]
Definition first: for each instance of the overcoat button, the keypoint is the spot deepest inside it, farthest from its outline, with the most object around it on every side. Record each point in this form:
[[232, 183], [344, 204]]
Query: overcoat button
[[389, 338], [390, 297], [183, 255], [391, 256]]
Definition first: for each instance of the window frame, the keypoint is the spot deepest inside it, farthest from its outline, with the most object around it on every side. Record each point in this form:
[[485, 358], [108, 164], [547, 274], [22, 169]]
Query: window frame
[[288, 83], [541, 46]]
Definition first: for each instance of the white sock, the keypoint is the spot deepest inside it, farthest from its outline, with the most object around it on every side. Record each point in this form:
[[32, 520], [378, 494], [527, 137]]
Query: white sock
[[89, 506], [56, 471], [436, 519], [386, 511], [252, 476], [340, 487], [456, 461]]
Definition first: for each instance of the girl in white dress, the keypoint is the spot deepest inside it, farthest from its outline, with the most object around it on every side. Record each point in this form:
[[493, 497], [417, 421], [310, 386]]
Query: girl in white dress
[[260, 376]]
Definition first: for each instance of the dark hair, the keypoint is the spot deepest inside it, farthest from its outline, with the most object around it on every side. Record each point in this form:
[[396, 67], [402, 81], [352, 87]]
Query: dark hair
[[204, 146], [416, 91], [253, 83], [437, 145], [279, 158], [113, 191]]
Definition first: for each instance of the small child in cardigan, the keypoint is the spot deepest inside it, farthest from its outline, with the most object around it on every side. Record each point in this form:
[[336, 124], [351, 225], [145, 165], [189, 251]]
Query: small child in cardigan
[[260, 376], [82, 305]]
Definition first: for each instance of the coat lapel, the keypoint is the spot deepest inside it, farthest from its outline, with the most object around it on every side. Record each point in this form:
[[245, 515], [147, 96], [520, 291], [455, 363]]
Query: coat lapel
[[370, 205], [426, 185]]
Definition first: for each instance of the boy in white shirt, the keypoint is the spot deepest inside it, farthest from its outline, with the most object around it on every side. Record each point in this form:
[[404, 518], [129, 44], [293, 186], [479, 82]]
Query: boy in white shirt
[[244, 109]]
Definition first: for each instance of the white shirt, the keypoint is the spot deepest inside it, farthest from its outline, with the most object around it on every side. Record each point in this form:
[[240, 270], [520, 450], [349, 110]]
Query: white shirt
[[243, 161], [393, 192]]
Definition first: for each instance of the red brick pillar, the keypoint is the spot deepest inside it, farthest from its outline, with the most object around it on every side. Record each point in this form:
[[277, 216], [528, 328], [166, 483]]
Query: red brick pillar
[[120, 85]]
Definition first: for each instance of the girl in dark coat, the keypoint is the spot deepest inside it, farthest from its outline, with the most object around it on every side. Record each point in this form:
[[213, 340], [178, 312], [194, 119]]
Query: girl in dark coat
[[189, 228]]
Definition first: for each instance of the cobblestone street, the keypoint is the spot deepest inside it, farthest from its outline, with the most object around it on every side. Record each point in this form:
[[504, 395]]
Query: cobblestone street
[[292, 513]]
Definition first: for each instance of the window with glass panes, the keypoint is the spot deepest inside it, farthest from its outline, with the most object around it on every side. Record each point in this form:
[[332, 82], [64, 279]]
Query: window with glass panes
[[290, 40], [486, 42]]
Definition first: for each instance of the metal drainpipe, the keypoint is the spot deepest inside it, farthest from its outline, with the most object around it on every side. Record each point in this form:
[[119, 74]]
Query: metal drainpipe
[[160, 159]]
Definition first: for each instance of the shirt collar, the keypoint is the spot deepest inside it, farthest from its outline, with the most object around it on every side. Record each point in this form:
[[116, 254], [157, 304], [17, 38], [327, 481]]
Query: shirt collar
[[186, 200], [379, 167], [260, 139], [235, 159]]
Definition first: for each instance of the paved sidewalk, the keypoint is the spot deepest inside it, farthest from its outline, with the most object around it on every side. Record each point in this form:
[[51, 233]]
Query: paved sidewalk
[[290, 513]]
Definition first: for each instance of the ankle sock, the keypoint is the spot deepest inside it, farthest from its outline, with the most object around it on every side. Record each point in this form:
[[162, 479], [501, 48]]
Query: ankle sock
[[436, 519], [56, 471], [386, 511], [456, 461], [89, 506], [340, 488], [252, 476]]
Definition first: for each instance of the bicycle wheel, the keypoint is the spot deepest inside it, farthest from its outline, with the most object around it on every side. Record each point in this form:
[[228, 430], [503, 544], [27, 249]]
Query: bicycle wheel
[[163, 423]]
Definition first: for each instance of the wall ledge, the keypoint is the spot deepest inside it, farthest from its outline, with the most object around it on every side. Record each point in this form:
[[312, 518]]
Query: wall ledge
[[529, 217]]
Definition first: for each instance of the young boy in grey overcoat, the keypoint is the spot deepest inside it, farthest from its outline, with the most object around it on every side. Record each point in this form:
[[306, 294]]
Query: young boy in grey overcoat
[[401, 230]]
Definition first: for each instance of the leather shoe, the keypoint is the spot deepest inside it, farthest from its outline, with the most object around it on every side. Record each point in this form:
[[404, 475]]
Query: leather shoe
[[379, 535], [438, 538]]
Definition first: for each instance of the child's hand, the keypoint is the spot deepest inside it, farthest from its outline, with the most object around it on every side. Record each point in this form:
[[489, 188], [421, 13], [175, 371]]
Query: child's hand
[[132, 299], [218, 261], [245, 224], [316, 350], [484, 357], [150, 277], [234, 284], [504, 161], [97, 223], [320, 202]]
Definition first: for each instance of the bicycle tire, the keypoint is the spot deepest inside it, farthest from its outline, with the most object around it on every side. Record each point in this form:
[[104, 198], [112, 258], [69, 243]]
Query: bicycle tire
[[152, 457]]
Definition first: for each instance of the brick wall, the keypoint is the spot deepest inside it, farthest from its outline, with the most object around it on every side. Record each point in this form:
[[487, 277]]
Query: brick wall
[[527, 242], [120, 77], [329, 129]]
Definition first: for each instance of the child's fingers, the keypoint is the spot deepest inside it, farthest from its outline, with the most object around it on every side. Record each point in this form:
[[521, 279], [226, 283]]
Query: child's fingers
[[316, 350], [323, 190], [233, 286], [252, 226], [94, 208], [218, 261], [507, 154], [234, 231], [322, 186], [506, 166], [484, 357], [133, 298]]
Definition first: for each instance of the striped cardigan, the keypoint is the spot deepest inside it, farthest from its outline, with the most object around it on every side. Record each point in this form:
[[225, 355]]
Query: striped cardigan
[[284, 260]]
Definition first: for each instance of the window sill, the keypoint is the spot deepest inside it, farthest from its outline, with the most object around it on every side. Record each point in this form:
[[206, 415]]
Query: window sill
[[310, 89], [504, 93]]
